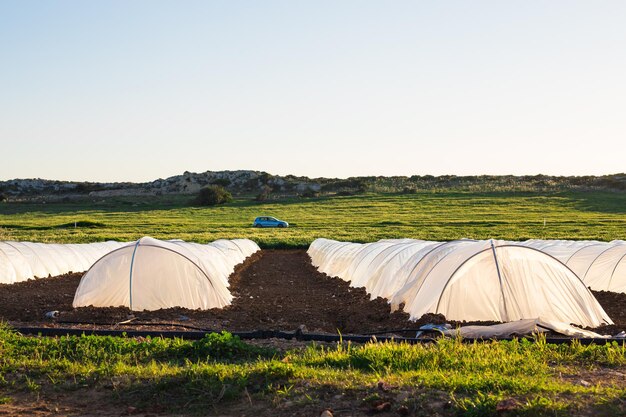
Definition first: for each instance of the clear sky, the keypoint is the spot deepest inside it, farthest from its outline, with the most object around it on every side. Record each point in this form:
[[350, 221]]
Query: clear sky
[[138, 90]]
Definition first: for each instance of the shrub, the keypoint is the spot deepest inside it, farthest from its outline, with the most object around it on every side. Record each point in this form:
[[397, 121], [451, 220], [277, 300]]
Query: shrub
[[265, 193], [356, 185], [213, 195], [309, 193], [87, 187]]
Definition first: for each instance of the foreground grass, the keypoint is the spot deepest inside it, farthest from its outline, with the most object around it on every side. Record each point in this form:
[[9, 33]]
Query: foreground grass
[[219, 372], [364, 218]]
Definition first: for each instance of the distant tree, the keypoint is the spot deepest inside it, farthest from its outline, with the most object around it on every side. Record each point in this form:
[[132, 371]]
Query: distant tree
[[265, 193], [356, 185], [87, 187], [212, 196], [344, 193], [3, 197], [309, 193]]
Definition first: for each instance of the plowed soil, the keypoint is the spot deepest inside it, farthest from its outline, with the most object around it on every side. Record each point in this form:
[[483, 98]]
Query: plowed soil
[[273, 290]]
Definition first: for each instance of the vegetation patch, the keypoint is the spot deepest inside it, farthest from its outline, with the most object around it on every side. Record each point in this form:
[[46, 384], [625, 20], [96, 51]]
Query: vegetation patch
[[449, 377], [212, 196], [83, 223], [439, 216]]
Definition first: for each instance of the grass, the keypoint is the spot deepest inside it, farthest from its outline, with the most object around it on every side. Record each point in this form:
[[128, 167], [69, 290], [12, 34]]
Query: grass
[[219, 371], [222, 374], [363, 218]]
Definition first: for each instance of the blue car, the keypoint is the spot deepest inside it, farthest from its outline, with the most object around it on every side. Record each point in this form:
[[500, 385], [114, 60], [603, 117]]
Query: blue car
[[267, 221]]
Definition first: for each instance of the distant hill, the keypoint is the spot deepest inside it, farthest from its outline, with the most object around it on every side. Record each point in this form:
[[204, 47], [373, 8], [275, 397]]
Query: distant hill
[[275, 186]]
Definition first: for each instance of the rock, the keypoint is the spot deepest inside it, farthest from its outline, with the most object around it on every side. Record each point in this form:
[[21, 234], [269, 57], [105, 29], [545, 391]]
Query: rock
[[384, 387], [385, 406], [52, 314]]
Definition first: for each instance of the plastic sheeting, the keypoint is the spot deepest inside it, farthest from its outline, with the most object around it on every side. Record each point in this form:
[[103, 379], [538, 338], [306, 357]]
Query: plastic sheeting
[[21, 261], [601, 265], [463, 280], [151, 274], [522, 328]]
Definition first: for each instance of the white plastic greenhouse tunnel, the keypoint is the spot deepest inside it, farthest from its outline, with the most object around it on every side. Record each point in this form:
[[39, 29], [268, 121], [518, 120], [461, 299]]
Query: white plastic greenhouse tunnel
[[463, 280], [152, 274], [21, 261], [601, 265]]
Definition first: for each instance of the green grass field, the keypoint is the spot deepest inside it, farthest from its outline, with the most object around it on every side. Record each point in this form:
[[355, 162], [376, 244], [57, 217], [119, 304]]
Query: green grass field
[[221, 374], [364, 218]]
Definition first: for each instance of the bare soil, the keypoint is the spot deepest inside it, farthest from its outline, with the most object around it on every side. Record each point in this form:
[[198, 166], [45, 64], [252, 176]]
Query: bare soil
[[273, 290]]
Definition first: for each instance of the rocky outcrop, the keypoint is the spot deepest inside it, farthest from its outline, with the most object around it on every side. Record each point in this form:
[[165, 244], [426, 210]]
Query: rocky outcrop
[[237, 182], [246, 182]]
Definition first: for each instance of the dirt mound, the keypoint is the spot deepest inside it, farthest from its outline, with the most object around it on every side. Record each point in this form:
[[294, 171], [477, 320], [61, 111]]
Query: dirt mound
[[614, 303], [273, 290], [29, 301]]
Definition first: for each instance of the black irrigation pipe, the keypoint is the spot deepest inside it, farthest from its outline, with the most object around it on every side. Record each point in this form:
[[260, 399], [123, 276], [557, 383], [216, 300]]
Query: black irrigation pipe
[[278, 334]]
